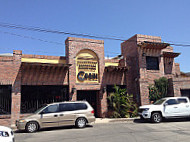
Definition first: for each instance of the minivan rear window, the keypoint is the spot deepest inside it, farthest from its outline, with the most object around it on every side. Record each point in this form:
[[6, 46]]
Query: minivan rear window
[[72, 106], [80, 106]]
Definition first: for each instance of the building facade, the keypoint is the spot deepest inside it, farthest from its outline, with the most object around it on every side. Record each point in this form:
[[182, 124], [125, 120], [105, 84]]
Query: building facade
[[27, 82]]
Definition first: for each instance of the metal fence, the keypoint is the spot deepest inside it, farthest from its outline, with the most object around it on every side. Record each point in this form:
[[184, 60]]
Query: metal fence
[[5, 99], [35, 97]]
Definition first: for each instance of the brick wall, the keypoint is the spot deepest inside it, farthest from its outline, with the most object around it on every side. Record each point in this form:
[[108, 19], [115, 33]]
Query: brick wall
[[177, 69], [7, 74], [180, 83], [129, 50], [138, 77], [10, 75], [72, 48], [16, 87]]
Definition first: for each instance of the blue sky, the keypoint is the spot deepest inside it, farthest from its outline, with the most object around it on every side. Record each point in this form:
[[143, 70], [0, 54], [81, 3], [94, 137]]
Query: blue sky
[[122, 18]]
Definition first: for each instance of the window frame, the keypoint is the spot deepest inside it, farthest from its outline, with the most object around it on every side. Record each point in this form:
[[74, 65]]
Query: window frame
[[148, 63], [47, 108]]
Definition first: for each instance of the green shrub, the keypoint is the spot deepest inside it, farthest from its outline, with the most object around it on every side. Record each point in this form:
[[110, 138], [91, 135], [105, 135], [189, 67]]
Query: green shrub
[[159, 89], [121, 104]]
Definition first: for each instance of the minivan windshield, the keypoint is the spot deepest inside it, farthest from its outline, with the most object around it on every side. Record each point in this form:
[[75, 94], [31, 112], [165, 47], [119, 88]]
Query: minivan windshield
[[38, 110], [159, 102]]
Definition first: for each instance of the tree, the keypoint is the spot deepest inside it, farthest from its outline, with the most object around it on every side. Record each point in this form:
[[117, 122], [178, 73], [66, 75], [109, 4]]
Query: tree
[[121, 104], [159, 89]]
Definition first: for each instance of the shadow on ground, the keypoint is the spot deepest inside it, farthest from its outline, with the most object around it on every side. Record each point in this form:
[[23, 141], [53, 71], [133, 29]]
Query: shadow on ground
[[54, 129], [164, 120]]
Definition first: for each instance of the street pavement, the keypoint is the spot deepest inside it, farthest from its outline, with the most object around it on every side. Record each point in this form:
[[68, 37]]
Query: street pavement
[[118, 131]]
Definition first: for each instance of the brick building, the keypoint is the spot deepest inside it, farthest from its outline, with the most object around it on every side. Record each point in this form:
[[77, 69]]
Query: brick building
[[27, 82]]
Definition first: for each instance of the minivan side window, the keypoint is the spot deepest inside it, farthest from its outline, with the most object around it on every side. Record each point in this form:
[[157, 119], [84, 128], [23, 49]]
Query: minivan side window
[[67, 107], [72, 106], [182, 100], [51, 109]]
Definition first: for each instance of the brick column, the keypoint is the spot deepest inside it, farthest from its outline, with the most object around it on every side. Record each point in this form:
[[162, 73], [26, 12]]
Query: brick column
[[144, 92], [161, 66], [16, 87], [103, 99]]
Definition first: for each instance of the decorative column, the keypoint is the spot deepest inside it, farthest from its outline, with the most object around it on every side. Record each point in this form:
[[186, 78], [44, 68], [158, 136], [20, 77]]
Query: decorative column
[[16, 87], [103, 99]]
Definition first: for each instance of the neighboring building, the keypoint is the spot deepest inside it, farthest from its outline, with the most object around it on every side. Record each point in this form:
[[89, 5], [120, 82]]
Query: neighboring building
[[27, 82]]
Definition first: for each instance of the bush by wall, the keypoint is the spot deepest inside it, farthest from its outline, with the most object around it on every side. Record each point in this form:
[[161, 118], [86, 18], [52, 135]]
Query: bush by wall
[[121, 104], [159, 89]]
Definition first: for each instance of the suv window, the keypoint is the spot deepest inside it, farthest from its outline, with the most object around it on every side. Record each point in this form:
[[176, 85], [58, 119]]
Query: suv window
[[72, 106], [172, 102], [51, 109], [182, 100]]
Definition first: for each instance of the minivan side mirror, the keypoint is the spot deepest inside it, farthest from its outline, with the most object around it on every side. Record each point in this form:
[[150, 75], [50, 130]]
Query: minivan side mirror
[[42, 112]]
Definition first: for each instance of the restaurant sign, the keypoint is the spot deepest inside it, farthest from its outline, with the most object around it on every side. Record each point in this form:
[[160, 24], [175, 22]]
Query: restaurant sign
[[87, 67]]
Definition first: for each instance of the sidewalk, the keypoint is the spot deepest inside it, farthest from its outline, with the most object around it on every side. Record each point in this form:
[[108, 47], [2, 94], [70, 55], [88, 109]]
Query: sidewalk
[[109, 120]]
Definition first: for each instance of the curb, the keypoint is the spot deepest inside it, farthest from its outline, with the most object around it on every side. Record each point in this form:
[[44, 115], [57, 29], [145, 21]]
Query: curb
[[112, 120]]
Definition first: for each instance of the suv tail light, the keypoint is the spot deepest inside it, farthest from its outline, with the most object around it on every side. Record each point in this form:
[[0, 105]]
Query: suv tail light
[[92, 111]]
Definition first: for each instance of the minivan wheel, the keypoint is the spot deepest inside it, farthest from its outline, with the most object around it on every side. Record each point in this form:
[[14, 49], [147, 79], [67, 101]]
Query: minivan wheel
[[156, 117], [80, 123], [31, 127]]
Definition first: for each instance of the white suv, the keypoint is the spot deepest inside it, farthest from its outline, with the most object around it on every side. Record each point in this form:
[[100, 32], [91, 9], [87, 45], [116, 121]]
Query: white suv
[[6, 134], [170, 107]]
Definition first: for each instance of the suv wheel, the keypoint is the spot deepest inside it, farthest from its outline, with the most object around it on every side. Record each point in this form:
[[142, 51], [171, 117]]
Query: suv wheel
[[31, 127], [80, 122], [156, 117]]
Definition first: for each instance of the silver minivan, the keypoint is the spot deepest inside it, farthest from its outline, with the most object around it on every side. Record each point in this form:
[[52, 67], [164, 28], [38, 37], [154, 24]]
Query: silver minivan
[[78, 113]]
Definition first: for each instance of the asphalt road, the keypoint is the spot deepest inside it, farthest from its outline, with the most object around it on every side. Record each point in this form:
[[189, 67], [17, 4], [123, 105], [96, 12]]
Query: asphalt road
[[137, 131]]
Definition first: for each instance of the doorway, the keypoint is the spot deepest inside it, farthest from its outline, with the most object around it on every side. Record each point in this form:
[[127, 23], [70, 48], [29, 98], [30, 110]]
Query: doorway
[[185, 92], [90, 97], [5, 99]]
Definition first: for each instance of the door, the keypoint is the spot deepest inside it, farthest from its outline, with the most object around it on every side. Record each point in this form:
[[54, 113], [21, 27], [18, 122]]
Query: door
[[185, 93], [50, 116], [171, 108], [67, 114], [184, 106], [90, 97]]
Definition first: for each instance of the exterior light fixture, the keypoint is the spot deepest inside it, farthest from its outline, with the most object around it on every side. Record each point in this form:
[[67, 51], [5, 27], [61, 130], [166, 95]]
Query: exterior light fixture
[[104, 89], [73, 90], [143, 54]]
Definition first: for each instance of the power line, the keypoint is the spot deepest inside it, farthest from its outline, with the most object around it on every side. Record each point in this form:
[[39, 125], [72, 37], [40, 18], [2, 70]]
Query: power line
[[39, 29], [33, 38], [13, 26], [42, 40]]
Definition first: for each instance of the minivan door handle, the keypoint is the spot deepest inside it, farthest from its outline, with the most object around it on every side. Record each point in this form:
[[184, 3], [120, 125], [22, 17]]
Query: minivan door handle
[[61, 115], [55, 115]]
